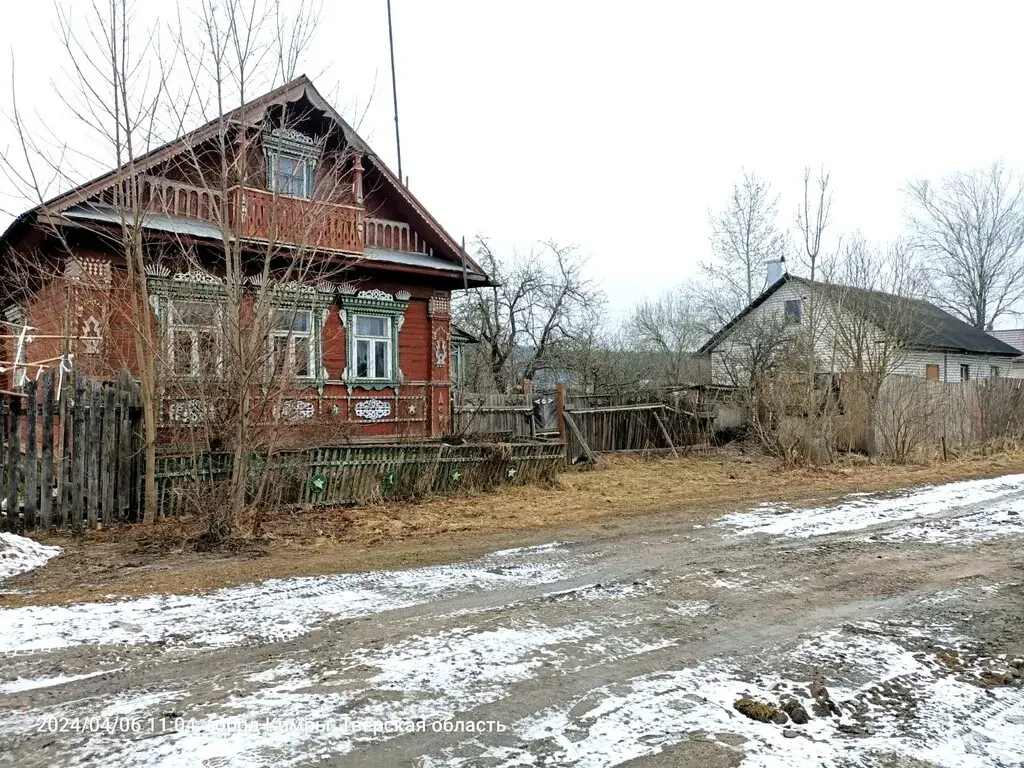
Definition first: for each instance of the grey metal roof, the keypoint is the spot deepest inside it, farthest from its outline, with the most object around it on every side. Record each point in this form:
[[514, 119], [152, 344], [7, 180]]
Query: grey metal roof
[[462, 336], [163, 222], [928, 326], [413, 259], [158, 221]]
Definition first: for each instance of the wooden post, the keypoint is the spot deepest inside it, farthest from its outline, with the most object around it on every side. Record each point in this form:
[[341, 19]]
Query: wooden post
[[31, 475], [46, 474], [79, 457], [560, 410], [109, 458], [93, 436], [664, 433], [528, 399], [13, 455]]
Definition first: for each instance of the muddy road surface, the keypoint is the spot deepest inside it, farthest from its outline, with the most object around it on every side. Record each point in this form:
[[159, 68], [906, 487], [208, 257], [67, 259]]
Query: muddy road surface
[[876, 631]]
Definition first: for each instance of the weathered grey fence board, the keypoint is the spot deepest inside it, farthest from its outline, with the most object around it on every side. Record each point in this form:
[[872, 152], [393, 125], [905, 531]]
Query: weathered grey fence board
[[31, 465], [13, 453], [46, 475], [365, 473], [108, 456], [58, 463]]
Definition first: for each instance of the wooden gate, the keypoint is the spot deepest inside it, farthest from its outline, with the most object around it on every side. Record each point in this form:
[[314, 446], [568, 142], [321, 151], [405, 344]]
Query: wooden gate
[[70, 454]]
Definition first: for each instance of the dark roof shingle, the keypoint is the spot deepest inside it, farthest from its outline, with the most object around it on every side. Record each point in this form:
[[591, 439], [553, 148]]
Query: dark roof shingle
[[927, 326]]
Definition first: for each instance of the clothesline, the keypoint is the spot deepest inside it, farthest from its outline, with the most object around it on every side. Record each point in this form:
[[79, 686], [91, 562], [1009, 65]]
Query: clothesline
[[43, 336]]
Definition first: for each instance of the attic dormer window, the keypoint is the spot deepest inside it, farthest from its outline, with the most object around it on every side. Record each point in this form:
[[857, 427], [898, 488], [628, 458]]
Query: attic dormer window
[[291, 162]]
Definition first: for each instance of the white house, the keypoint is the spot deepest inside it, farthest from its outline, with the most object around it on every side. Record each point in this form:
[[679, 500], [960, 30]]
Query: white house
[[1015, 338], [930, 343]]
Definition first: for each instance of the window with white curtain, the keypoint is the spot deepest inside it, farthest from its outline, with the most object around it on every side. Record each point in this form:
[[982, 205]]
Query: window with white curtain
[[371, 349]]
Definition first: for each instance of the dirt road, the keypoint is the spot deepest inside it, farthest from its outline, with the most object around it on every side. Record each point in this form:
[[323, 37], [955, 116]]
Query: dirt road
[[892, 623]]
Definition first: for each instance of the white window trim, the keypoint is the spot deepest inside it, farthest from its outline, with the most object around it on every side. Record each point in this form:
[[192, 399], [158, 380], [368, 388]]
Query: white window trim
[[305, 163], [297, 146], [313, 364], [193, 330], [386, 339], [380, 304]]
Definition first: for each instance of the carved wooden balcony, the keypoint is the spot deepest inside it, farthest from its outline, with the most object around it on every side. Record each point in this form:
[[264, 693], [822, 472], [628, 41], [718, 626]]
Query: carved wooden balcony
[[396, 235], [280, 219], [257, 214]]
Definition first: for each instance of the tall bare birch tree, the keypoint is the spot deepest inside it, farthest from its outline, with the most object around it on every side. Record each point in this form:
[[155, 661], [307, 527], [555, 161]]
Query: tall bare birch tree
[[113, 91], [970, 226], [744, 235]]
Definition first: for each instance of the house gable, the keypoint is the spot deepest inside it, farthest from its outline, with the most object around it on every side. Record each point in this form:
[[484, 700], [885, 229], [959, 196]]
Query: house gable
[[363, 205], [934, 337]]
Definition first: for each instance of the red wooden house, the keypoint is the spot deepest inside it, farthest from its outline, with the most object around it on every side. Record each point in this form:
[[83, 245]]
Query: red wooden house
[[285, 175]]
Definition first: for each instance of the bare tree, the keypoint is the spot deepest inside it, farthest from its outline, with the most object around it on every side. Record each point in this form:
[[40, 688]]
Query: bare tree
[[971, 227], [114, 93], [876, 318], [744, 235], [541, 303], [249, 316], [667, 329], [813, 218]]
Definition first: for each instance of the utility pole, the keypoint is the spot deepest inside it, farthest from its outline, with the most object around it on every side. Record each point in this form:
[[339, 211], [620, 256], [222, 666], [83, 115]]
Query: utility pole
[[394, 94]]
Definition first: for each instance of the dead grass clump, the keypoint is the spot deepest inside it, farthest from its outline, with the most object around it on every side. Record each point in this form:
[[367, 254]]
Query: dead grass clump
[[759, 710]]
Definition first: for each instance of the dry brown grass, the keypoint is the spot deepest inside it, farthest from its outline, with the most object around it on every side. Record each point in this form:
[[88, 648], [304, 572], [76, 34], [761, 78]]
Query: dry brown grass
[[620, 495]]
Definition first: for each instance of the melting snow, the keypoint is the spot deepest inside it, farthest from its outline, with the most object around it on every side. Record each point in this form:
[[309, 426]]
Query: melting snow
[[865, 511], [1002, 518], [33, 683], [278, 609], [897, 703], [303, 713], [18, 554]]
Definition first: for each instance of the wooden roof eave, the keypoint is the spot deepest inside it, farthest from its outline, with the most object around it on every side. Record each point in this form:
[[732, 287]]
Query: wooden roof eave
[[345, 259]]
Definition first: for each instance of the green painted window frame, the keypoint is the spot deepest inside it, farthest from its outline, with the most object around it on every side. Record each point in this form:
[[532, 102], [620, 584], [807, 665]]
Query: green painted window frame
[[379, 304], [164, 289]]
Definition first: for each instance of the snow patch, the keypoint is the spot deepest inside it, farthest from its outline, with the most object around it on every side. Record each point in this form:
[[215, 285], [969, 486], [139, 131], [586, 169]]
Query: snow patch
[[22, 684], [430, 678], [866, 511], [19, 554], [1000, 520], [894, 702], [274, 610]]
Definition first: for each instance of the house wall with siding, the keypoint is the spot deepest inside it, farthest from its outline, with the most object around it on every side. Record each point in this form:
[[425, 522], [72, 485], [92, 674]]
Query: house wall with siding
[[910, 363], [915, 363]]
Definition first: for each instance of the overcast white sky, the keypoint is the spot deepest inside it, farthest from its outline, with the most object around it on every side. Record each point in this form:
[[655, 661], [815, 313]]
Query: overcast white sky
[[617, 125]]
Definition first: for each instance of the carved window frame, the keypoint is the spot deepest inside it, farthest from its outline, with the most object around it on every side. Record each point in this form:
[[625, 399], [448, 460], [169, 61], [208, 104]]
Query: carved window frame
[[194, 286], [290, 297], [297, 146], [379, 304]]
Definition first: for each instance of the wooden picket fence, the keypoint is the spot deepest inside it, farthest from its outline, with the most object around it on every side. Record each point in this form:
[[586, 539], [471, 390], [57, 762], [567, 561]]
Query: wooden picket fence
[[339, 475], [71, 458], [70, 454]]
